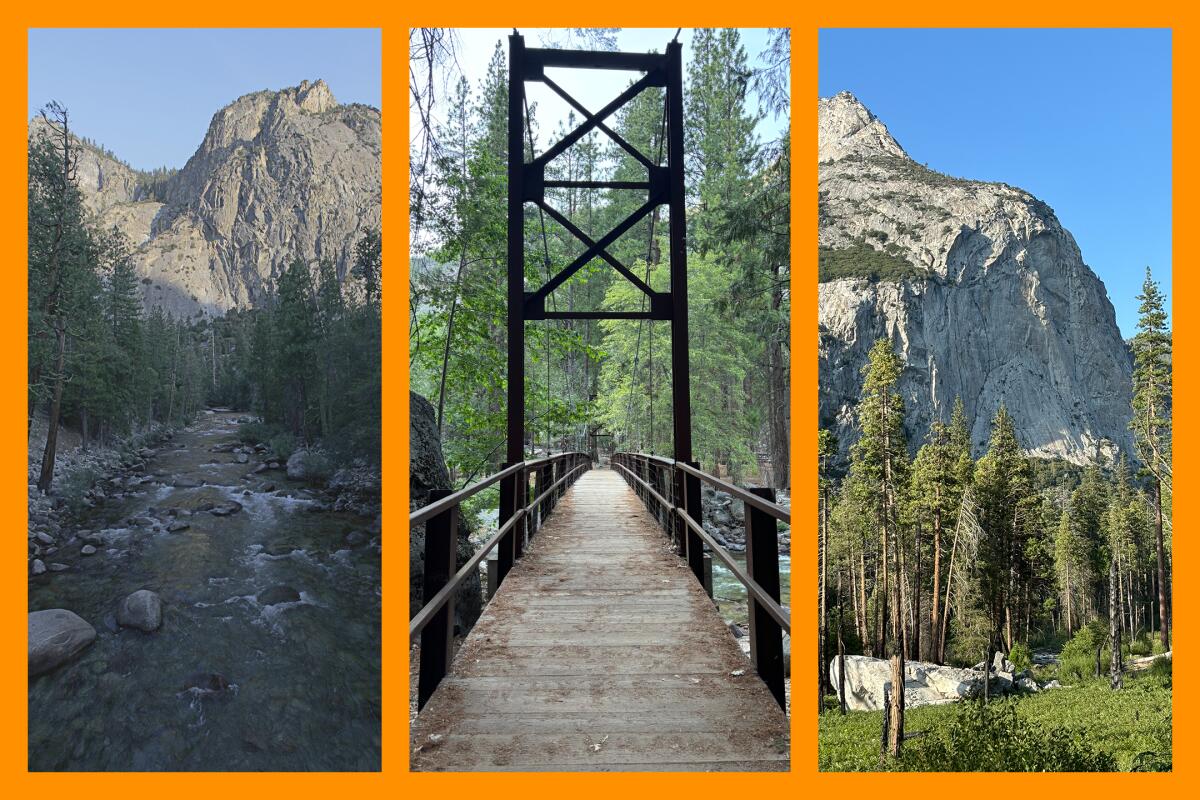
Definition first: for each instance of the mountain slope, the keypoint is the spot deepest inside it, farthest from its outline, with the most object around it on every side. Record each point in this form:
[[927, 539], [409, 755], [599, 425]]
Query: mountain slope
[[981, 290], [279, 176]]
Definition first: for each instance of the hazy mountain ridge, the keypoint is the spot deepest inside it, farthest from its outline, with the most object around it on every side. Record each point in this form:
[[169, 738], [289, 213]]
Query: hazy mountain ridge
[[278, 176]]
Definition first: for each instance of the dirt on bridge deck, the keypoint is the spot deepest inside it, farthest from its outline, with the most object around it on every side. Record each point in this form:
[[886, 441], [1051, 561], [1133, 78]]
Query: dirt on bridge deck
[[600, 651]]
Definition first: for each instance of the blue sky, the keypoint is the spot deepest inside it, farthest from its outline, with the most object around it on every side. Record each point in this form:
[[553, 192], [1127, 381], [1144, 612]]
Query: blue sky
[[593, 88], [149, 94], [1080, 118]]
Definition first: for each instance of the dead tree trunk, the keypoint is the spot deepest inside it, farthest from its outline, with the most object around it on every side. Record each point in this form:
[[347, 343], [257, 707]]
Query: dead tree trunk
[[1114, 624]]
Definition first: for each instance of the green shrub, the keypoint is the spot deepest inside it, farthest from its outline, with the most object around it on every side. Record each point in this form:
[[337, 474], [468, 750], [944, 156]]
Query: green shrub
[[1077, 662], [1160, 669], [1021, 657], [864, 261], [256, 432], [282, 445], [1141, 645], [993, 737]]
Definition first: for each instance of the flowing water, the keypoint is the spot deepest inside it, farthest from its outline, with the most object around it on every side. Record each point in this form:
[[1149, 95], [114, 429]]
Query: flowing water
[[730, 594], [299, 685]]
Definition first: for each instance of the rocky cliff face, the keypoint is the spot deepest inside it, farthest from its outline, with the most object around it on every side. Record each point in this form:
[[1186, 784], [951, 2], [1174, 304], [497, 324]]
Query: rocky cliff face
[[427, 471], [982, 291], [279, 176]]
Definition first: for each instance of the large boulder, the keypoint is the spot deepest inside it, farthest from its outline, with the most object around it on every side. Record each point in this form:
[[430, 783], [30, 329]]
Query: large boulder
[[310, 465], [141, 610], [924, 684], [427, 472], [55, 637]]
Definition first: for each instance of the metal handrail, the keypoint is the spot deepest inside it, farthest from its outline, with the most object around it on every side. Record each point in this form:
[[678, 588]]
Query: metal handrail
[[781, 513], [767, 507], [680, 512], [433, 509], [653, 493], [422, 617], [778, 612], [441, 518]]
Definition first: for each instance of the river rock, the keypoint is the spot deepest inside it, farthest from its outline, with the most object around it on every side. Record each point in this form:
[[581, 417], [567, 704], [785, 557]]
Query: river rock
[[39, 566], [242, 458], [56, 566], [355, 538], [88, 550], [176, 527], [225, 509], [924, 684], [278, 594], [55, 637], [44, 537], [141, 610], [207, 682]]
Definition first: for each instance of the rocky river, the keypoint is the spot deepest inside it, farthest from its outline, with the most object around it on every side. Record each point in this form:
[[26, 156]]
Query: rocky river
[[268, 652]]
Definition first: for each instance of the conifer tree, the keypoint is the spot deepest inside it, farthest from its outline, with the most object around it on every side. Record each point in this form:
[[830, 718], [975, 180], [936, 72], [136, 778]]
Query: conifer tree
[[1151, 422]]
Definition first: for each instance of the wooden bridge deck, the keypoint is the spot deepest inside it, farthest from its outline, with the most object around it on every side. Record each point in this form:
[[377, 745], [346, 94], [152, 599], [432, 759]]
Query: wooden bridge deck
[[600, 651]]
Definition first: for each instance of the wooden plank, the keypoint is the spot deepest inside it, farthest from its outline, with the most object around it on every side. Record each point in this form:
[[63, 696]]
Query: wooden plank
[[600, 652]]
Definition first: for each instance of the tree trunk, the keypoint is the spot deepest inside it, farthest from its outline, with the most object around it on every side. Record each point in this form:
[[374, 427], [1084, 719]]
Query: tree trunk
[[1114, 623], [935, 595], [462, 263], [821, 600], [941, 649], [896, 703], [48, 454], [896, 734], [916, 596], [1164, 609]]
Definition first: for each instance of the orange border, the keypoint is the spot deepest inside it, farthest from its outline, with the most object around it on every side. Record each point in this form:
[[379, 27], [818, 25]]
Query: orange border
[[395, 20]]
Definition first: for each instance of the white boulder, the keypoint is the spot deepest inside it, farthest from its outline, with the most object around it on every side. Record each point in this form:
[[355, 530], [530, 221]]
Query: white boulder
[[924, 684]]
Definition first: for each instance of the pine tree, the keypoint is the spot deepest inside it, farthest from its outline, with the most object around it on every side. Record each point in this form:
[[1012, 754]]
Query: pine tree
[[1001, 489], [1151, 422]]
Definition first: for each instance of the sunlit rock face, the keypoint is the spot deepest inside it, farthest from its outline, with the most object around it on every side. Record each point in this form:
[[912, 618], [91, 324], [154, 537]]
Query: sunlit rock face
[[981, 290], [279, 176]]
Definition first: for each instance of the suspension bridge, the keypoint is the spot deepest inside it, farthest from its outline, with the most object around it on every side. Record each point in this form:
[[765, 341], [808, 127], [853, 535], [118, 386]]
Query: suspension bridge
[[600, 647]]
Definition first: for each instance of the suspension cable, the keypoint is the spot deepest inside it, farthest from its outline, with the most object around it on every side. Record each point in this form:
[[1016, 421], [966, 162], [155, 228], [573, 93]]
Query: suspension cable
[[546, 262], [641, 323]]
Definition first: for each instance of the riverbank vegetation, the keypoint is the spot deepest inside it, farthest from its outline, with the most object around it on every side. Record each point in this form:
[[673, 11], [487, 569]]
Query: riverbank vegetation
[[946, 558], [1085, 728]]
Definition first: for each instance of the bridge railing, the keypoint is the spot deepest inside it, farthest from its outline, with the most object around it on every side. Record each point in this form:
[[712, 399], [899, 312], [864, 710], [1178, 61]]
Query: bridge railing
[[529, 490], [671, 491]]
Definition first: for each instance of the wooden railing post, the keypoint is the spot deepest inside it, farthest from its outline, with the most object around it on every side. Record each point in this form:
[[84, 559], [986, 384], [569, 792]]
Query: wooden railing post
[[437, 638], [762, 563], [506, 552], [694, 508]]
